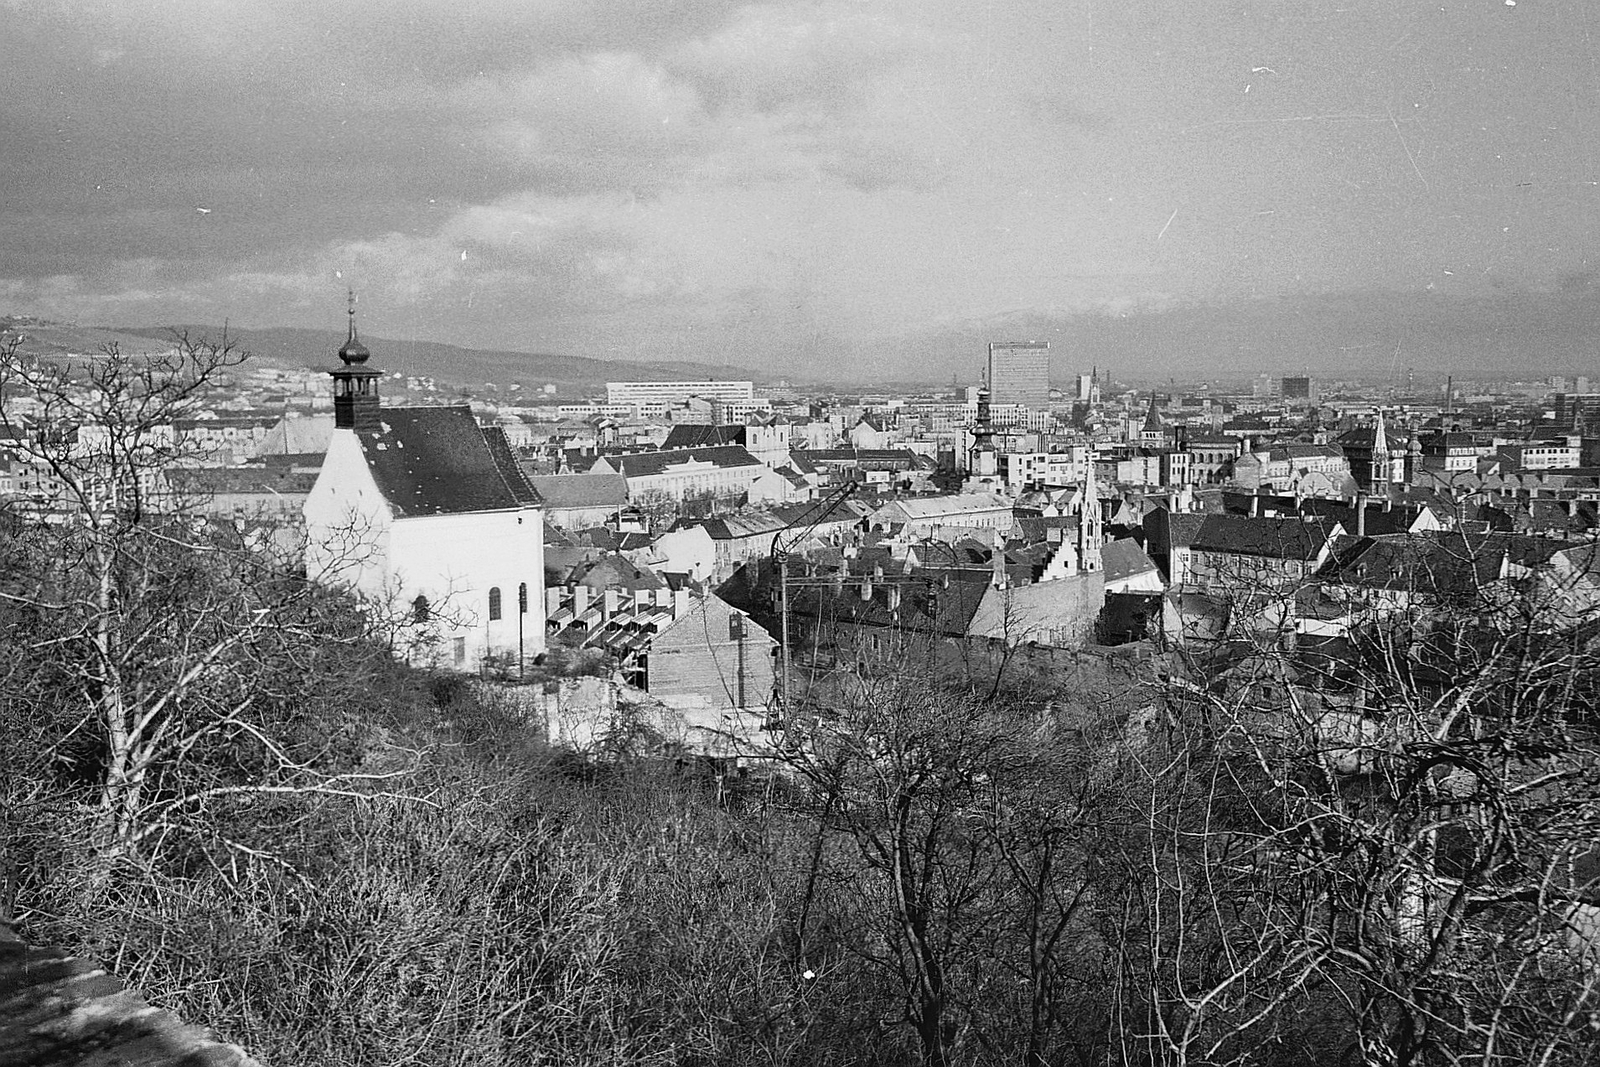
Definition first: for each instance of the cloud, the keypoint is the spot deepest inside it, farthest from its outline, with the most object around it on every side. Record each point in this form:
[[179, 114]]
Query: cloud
[[598, 121], [820, 58]]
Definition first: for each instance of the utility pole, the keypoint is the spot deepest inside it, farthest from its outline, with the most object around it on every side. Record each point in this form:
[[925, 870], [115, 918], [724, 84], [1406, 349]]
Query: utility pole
[[782, 546]]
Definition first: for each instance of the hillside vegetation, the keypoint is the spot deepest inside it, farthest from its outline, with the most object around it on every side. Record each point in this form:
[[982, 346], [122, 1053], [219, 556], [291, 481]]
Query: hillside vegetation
[[218, 779]]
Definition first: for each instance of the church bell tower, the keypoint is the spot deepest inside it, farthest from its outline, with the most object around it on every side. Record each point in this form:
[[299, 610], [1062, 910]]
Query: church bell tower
[[355, 385]]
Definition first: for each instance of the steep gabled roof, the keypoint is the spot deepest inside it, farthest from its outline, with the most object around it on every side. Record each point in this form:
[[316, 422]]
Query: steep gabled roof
[[1152, 418], [1123, 558], [439, 461]]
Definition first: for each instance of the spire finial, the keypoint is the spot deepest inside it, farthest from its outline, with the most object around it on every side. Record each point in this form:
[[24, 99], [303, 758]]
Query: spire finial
[[352, 294]]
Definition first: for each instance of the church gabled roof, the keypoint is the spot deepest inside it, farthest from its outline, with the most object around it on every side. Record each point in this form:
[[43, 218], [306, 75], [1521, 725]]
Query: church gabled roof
[[439, 461]]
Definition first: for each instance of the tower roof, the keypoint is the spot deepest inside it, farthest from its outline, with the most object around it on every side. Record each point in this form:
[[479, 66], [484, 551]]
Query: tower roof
[[353, 351], [1152, 418]]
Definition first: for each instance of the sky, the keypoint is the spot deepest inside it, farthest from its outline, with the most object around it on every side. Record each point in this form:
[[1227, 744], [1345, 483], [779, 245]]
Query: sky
[[784, 185]]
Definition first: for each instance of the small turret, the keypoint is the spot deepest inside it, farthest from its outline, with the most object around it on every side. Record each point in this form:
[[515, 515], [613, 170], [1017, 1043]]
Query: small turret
[[355, 385]]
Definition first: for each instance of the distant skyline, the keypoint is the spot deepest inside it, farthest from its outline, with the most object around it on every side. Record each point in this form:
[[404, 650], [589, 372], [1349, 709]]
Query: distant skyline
[[804, 186]]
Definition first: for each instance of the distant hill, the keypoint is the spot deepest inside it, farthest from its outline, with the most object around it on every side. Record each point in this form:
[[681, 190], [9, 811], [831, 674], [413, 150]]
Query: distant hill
[[292, 348], [571, 375], [41, 337], [1369, 334]]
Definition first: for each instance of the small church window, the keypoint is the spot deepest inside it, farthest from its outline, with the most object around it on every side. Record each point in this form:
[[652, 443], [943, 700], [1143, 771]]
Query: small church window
[[494, 603], [420, 609]]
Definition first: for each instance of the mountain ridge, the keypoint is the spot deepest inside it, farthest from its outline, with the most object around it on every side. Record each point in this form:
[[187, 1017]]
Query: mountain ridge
[[292, 347]]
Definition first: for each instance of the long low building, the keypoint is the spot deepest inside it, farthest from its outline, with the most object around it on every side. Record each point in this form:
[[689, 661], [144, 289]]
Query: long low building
[[578, 501], [684, 472], [959, 511], [676, 392]]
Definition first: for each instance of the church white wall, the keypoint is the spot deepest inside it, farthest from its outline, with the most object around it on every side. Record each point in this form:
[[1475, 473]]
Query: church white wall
[[354, 541], [347, 521], [454, 561]]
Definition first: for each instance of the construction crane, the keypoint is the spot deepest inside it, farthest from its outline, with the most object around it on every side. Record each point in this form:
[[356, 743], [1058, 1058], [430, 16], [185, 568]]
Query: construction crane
[[783, 545]]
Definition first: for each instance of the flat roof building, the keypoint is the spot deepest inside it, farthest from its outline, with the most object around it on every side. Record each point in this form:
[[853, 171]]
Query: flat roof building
[[1019, 373], [677, 392]]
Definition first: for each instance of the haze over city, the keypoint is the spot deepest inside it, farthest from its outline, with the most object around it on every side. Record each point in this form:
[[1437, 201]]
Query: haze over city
[[845, 187]]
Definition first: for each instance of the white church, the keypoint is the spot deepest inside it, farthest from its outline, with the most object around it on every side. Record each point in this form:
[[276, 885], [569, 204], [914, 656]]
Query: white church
[[425, 515]]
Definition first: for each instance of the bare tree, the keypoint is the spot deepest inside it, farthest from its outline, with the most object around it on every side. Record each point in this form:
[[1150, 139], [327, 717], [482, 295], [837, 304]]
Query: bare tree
[[1388, 838], [163, 649]]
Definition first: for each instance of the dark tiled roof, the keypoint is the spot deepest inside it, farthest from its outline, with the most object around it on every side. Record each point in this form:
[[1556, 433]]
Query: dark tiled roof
[[1300, 451], [1449, 565], [928, 606], [1362, 438], [439, 461], [702, 436], [866, 458], [614, 571], [505, 462], [1123, 559], [1396, 519], [643, 464], [204, 480], [581, 490], [1183, 529], [1274, 538]]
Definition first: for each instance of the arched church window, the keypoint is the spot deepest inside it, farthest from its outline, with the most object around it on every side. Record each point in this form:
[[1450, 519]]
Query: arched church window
[[494, 603], [421, 610]]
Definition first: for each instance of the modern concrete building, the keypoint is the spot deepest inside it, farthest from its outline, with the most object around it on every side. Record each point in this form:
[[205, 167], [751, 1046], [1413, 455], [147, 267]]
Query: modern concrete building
[[677, 392], [1019, 373]]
